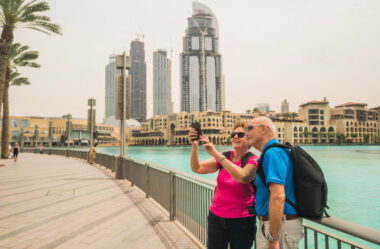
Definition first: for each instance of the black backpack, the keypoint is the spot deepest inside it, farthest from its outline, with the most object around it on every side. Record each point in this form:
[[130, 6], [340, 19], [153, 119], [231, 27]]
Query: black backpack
[[244, 161], [310, 186]]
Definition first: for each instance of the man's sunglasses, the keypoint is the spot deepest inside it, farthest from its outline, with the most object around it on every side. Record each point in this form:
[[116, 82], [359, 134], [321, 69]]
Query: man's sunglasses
[[250, 127], [239, 134]]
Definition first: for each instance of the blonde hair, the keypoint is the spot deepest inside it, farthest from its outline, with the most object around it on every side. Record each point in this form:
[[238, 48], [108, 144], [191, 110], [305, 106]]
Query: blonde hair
[[240, 124]]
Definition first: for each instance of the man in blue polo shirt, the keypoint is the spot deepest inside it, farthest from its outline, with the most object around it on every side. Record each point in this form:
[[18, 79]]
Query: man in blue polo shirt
[[280, 227]]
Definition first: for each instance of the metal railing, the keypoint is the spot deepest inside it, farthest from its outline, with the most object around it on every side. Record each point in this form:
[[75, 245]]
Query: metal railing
[[187, 199]]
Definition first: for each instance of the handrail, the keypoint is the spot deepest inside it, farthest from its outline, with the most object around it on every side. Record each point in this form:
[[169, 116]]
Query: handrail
[[359, 231]]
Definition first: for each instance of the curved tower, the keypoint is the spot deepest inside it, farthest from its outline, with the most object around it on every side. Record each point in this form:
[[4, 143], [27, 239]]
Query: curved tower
[[200, 63]]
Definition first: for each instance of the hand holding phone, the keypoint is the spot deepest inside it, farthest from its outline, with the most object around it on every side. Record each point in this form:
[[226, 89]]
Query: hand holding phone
[[197, 127]]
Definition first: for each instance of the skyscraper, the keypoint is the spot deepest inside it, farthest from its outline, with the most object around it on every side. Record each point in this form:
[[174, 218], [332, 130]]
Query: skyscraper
[[111, 73], [263, 107], [200, 63], [138, 81], [161, 83], [284, 106]]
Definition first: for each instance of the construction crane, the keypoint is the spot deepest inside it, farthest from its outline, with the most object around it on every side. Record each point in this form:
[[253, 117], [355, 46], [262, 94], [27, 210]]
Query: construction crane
[[203, 104]]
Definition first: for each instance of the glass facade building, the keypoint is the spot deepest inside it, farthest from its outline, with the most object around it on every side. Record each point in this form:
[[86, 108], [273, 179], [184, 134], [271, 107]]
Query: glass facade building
[[201, 86], [162, 100], [110, 91], [138, 81]]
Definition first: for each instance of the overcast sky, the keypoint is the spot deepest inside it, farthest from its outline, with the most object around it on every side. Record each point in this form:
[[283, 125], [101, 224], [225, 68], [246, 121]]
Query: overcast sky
[[300, 50]]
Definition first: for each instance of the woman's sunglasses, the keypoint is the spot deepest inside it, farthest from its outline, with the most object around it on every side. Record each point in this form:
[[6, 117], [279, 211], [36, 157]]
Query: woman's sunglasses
[[239, 134]]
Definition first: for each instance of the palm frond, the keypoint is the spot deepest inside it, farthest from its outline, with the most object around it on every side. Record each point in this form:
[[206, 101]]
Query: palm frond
[[21, 56], [19, 81], [32, 7], [45, 27], [33, 18]]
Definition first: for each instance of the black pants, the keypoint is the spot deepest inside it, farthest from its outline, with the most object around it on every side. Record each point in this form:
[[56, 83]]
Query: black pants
[[238, 232]]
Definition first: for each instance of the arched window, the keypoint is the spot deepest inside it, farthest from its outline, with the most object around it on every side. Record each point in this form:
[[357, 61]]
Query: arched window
[[295, 129]]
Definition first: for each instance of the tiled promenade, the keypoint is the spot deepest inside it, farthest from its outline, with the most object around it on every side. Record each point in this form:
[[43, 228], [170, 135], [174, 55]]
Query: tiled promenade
[[58, 202]]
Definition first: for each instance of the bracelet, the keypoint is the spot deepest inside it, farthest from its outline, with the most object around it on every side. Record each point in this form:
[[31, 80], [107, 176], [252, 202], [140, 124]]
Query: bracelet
[[221, 159]]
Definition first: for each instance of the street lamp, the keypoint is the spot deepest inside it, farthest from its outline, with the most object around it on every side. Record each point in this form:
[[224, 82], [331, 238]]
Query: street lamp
[[123, 93], [68, 128], [50, 133], [91, 120], [36, 134], [22, 138]]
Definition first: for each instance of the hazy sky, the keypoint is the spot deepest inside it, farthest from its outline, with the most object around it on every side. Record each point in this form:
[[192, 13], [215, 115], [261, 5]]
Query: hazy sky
[[300, 50]]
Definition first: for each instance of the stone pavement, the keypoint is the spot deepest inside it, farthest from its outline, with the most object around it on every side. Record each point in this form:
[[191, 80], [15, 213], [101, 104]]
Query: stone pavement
[[58, 202]]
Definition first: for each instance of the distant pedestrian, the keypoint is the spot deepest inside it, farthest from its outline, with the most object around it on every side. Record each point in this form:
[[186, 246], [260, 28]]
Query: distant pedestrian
[[92, 155], [41, 148], [10, 150], [15, 151]]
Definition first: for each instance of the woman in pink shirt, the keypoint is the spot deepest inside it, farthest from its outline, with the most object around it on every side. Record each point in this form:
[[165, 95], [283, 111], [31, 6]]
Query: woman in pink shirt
[[231, 217]]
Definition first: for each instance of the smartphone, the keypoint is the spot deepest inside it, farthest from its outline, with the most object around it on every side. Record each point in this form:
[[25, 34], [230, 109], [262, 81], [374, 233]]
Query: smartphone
[[197, 127]]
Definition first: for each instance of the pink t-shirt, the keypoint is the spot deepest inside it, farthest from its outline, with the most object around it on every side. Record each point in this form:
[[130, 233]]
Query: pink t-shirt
[[231, 198]]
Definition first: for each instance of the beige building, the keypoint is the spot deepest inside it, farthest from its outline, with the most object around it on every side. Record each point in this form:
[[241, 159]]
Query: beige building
[[38, 127], [316, 127], [356, 122]]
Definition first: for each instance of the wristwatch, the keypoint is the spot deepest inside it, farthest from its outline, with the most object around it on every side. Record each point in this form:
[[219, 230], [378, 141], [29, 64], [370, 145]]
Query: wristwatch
[[221, 159], [271, 239]]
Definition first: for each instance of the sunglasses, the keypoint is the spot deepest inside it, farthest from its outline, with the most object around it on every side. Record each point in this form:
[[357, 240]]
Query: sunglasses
[[239, 134], [250, 127]]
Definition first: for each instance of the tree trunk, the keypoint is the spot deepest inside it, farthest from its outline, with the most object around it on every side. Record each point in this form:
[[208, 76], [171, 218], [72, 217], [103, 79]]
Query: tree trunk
[[5, 133], [5, 43]]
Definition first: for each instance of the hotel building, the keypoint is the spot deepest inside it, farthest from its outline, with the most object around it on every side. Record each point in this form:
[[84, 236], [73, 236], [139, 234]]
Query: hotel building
[[138, 81], [110, 87], [201, 86], [162, 93]]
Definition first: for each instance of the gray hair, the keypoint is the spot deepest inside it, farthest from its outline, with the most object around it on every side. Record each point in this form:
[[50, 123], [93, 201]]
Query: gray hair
[[268, 122]]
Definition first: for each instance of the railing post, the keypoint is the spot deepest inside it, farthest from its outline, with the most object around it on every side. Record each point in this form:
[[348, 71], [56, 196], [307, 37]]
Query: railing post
[[147, 180], [172, 195], [131, 171], [118, 167]]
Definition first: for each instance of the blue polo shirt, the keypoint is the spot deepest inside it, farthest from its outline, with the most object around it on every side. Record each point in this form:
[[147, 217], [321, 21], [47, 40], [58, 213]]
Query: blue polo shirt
[[278, 168]]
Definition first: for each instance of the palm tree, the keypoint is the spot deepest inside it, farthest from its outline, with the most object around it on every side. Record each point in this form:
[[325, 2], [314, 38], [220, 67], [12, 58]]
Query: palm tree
[[293, 115], [366, 138], [19, 56], [340, 138], [248, 111], [17, 13], [353, 136]]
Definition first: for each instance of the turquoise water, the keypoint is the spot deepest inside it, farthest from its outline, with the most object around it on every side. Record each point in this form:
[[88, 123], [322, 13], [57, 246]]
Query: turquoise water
[[352, 174]]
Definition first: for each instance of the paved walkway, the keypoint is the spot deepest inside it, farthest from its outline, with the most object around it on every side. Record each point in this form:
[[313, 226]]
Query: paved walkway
[[57, 202]]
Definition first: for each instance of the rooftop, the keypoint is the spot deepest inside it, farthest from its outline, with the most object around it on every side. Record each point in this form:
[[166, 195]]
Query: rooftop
[[315, 102], [352, 104]]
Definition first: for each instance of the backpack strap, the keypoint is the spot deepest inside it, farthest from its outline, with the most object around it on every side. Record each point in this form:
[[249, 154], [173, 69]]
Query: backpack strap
[[260, 169]]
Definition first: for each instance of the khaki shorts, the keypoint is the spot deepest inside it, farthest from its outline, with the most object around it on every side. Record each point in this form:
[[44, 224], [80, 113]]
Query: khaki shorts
[[290, 234]]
